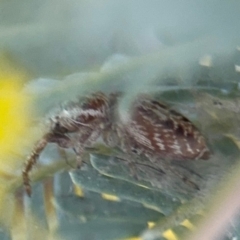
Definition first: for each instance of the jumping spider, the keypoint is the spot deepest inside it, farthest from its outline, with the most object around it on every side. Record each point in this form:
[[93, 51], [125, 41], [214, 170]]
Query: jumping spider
[[151, 130]]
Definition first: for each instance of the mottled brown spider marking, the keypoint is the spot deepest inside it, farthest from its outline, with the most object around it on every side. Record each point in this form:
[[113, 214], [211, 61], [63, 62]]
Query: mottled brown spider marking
[[160, 132], [152, 130]]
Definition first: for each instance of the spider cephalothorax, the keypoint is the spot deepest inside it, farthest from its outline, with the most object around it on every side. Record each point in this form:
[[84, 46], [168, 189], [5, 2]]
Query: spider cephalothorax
[[151, 130]]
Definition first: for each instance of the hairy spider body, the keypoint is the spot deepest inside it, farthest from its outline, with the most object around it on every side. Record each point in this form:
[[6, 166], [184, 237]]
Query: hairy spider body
[[151, 130]]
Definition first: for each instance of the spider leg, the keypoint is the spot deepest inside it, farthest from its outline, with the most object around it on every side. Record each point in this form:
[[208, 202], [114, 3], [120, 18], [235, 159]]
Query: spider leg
[[63, 154], [79, 152], [185, 179], [84, 141], [132, 169], [133, 162], [61, 140], [191, 171], [31, 161]]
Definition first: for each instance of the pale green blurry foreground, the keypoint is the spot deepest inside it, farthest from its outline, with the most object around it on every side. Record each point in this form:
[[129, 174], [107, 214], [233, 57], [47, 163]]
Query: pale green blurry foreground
[[187, 54]]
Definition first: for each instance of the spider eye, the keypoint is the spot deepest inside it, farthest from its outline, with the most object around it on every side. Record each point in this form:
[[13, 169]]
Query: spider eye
[[56, 125], [58, 128], [216, 102]]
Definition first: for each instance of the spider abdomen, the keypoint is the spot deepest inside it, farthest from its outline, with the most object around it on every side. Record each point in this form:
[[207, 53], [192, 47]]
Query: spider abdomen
[[158, 131]]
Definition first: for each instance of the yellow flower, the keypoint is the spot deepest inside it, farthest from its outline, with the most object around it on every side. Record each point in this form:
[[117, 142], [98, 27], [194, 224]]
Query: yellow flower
[[14, 121]]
